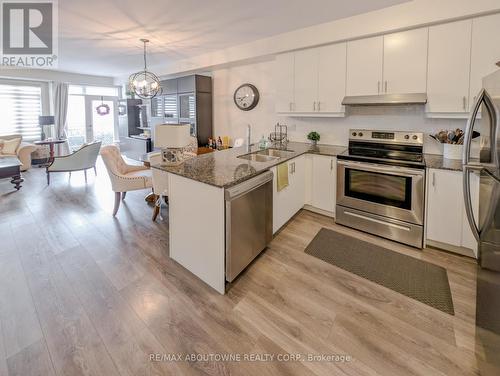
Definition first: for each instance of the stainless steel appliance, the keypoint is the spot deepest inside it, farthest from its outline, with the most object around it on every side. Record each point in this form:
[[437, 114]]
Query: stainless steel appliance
[[486, 225], [249, 222], [380, 185]]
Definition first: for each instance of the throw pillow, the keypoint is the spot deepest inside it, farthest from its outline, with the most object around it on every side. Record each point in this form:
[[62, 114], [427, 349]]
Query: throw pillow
[[10, 146]]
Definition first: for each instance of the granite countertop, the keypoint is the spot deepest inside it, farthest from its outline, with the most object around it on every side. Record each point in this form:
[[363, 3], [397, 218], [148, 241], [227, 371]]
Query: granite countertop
[[224, 169], [438, 162]]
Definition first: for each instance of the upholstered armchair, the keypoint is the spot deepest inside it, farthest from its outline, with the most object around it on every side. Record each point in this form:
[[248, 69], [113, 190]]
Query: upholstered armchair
[[124, 177], [82, 159], [23, 151]]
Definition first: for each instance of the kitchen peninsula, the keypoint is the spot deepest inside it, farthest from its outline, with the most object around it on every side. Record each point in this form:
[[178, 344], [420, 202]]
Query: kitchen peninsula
[[197, 189]]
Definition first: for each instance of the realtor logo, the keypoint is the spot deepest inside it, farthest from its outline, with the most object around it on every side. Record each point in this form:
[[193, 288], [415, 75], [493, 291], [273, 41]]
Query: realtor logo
[[29, 33]]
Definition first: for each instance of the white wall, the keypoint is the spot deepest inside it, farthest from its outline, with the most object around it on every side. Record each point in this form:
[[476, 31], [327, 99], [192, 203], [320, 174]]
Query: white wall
[[229, 120], [411, 14], [50, 75]]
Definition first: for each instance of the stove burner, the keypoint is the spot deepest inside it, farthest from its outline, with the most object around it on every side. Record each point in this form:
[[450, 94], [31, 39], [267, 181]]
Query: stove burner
[[396, 148]]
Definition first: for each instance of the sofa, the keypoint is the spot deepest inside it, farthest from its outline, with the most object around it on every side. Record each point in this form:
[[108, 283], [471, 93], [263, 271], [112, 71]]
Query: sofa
[[23, 151]]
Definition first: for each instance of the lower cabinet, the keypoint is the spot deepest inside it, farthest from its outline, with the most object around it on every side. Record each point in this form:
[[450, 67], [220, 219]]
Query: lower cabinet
[[290, 199], [447, 225], [323, 183]]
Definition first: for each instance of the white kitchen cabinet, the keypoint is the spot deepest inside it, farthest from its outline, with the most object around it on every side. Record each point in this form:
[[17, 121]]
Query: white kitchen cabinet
[[485, 52], [285, 82], [449, 68], [364, 66], [446, 219], [290, 199], [306, 80], [318, 81], [323, 187], [331, 78], [405, 62]]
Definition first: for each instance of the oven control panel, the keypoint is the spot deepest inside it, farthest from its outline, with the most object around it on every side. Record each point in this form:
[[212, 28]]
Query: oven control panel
[[397, 137]]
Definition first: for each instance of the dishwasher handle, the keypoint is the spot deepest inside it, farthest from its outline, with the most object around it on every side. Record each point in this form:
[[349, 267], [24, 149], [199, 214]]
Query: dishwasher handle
[[233, 193]]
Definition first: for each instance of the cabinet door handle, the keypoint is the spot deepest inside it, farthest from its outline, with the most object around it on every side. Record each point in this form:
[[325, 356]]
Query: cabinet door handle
[[319, 106], [378, 87], [433, 179], [464, 100], [386, 86], [314, 106], [290, 106], [331, 164]]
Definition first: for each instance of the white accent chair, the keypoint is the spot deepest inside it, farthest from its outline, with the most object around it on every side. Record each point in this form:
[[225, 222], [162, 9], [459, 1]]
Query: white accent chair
[[81, 160], [124, 177]]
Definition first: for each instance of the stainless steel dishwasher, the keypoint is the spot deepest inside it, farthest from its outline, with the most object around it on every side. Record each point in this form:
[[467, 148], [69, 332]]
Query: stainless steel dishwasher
[[249, 222]]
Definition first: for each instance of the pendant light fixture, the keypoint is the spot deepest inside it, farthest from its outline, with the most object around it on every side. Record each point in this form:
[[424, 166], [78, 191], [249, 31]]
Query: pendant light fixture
[[145, 84]]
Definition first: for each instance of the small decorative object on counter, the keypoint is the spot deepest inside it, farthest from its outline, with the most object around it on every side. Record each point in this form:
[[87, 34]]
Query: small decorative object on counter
[[314, 137], [452, 141], [262, 142]]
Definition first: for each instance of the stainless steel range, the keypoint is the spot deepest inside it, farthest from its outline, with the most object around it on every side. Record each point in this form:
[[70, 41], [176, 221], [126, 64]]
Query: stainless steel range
[[380, 185]]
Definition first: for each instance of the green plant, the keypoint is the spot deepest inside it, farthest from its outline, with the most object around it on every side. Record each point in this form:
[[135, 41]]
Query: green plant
[[313, 136]]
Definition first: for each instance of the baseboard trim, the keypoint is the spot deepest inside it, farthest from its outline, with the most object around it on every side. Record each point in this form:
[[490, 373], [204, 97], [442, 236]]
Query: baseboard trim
[[451, 248], [319, 211]]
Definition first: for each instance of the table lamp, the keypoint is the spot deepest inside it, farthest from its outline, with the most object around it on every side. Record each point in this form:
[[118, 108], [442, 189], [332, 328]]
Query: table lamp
[[47, 123], [172, 139]]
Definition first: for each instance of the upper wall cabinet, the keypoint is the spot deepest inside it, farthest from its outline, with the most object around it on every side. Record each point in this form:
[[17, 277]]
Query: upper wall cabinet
[[306, 80], [449, 68], [285, 82], [331, 78], [364, 66], [312, 81], [485, 52], [392, 64], [405, 62]]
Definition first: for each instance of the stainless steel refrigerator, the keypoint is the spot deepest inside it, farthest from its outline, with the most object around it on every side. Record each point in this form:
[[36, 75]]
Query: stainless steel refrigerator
[[485, 222]]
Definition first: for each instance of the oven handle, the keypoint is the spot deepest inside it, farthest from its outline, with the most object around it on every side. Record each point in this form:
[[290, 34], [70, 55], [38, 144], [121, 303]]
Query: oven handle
[[402, 171]]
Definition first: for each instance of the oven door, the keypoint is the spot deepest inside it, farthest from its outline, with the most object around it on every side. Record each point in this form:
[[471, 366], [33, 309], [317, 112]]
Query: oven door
[[391, 191]]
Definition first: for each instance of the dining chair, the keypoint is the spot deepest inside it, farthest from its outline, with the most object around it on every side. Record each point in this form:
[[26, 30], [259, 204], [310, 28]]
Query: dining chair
[[124, 177]]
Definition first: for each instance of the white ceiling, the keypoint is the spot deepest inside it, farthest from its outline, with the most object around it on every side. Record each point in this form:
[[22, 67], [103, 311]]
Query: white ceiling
[[101, 37]]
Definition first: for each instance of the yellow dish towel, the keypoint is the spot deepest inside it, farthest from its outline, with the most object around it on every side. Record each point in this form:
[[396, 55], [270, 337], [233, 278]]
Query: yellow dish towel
[[282, 176]]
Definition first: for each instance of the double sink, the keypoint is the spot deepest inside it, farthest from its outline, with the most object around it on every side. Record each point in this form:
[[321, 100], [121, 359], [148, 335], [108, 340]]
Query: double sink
[[267, 155]]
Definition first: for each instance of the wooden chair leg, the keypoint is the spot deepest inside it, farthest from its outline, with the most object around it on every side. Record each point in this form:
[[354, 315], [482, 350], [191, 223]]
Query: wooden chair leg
[[156, 211], [123, 195], [117, 203]]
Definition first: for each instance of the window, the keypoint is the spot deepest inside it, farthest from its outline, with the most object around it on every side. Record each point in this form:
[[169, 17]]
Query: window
[[106, 91], [20, 106]]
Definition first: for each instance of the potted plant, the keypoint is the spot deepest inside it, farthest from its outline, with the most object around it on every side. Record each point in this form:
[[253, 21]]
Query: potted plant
[[314, 137]]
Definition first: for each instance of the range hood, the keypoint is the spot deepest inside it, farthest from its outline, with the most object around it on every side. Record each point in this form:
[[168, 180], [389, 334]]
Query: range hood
[[385, 99]]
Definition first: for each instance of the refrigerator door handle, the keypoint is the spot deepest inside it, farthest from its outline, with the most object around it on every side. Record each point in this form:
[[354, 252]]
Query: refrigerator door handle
[[466, 159], [469, 129], [468, 200]]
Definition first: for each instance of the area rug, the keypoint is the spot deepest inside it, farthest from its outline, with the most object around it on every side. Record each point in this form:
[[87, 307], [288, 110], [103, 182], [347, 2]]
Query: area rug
[[416, 279]]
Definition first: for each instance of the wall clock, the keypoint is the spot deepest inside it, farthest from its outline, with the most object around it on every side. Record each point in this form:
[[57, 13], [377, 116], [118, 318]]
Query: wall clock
[[246, 97]]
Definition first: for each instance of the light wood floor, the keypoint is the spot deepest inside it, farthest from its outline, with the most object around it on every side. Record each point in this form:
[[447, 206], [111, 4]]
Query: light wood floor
[[82, 293]]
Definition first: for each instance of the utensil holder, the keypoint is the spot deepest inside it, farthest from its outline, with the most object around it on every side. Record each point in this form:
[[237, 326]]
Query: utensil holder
[[452, 151]]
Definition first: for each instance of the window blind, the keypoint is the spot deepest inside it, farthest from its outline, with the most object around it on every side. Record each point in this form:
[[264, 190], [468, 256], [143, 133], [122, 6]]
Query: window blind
[[20, 106], [170, 104]]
